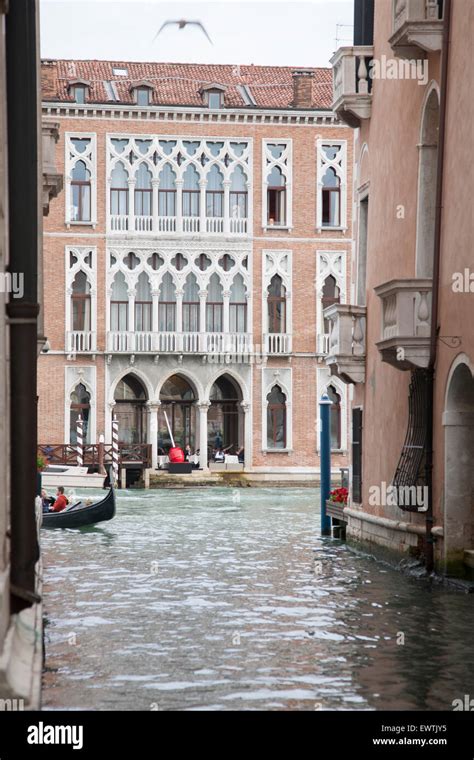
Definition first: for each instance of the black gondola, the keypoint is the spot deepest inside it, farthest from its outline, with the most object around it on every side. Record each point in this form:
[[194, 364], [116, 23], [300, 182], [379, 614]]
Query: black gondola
[[80, 514]]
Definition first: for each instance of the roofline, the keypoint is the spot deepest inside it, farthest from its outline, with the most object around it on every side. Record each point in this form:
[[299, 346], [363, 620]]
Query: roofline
[[178, 63], [320, 111]]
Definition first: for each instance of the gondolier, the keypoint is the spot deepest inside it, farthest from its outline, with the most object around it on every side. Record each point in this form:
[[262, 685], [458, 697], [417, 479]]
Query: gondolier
[[82, 514]]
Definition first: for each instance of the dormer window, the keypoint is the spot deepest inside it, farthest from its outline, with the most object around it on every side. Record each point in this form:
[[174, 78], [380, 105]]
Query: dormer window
[[213, 96], [142, 93], [80, 94], [79, 89], [215, 100]]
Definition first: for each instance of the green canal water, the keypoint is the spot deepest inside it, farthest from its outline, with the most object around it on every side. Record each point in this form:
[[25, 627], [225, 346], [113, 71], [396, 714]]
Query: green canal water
[[230, 600]]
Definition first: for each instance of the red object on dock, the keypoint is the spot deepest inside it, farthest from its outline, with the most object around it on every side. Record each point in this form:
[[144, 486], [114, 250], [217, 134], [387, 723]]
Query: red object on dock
[[176, 454]]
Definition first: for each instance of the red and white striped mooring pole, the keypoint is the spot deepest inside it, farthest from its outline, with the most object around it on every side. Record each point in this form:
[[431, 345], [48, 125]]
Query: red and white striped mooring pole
[[115, 450], [80, 441]]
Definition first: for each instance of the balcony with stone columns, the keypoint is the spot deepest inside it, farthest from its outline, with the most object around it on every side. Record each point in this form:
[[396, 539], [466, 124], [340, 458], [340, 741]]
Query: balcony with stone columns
[[346, 350], [352, 97], [417, 28], [277, 344], [127, 342], [406, 323]]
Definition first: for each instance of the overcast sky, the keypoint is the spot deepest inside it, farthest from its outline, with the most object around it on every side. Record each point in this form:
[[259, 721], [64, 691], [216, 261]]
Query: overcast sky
[[288, 33]]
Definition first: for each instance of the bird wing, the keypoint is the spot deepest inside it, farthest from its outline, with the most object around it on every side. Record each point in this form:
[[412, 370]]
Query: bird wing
[[200, 24], [165, 23]]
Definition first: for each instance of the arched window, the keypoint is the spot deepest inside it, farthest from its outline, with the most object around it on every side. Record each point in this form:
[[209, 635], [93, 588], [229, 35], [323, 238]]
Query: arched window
[[119, 304], [167, 305], [214, 305], [191, 304], [214, 193], [80, 406], [167, 192], [238, 305], [331, 195], [276, 197], [81, 302], [119, 190], [178, 401], [276, 304], [143, 191], [335, 417], [238, 193], [130, 409], [276, 419], [143, 304], [331, 294], [80, 193], [191, 192], [426, 211]]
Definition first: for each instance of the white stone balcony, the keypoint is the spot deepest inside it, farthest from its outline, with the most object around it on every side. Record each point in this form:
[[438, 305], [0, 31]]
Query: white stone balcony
[[185, 225], [277, 343], [406, 322], [81, 341], [346, 351], [52, 181], [417, 27], [352, 98], [179, 343]]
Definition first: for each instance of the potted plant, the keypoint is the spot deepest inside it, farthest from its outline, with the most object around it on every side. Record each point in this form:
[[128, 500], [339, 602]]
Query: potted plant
[[339, 495], [40, 463], [336, 502]]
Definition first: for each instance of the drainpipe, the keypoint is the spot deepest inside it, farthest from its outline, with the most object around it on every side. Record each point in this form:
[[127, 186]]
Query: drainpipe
[[25, 207], [429, 559]]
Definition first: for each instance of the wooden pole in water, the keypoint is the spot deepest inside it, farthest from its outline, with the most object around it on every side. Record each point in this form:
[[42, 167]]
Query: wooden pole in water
[[115, 451], [101, 455], [80, 441]]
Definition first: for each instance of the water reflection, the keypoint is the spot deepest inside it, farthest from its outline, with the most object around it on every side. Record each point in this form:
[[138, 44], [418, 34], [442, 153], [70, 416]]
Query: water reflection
[[220, 599]]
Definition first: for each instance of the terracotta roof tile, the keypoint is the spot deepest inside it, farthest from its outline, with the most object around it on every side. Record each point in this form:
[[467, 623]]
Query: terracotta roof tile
[[178, 84]]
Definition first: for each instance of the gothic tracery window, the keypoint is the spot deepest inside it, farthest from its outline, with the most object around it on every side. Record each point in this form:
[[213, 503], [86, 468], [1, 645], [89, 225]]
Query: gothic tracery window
[[238, 306], [167, 192], [167, 305], [276, 419], [191, 305], [276, 304], [143, 191], [214, 306], [81, 303], [80, 406], [331, 172], [119, 190], [276, 177], [80, 169], [143, 304], [214, 193], [119, 304]]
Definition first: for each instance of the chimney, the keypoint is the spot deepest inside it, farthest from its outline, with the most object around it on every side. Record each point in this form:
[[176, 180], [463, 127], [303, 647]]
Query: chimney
[[302, 88]]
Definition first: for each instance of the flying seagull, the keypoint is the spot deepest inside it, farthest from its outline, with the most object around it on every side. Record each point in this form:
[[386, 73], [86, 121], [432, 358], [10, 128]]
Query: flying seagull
[[181, 23]]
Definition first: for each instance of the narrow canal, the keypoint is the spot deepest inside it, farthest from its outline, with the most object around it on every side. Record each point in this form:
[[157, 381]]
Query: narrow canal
[[229, 599]]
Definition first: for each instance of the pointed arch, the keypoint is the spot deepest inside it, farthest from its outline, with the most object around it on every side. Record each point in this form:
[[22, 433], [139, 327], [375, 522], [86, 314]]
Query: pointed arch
[[427, 179], [119, 193]]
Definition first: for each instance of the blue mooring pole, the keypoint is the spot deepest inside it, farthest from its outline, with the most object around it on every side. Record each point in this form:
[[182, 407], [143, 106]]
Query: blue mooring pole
[[325, 460]]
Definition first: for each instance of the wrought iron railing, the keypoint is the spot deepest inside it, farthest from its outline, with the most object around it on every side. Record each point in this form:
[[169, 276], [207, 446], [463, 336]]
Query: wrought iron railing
[[410, 469]]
